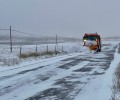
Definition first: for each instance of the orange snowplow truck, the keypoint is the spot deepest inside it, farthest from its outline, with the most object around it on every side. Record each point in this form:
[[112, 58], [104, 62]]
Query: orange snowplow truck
[[92, 41]]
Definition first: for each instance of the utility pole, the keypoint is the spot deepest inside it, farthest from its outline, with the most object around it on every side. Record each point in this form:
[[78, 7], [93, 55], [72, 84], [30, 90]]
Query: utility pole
[[10, 40], [56, 47], [56, 42]]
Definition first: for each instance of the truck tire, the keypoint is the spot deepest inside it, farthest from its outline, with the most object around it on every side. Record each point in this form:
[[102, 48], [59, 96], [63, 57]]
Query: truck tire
[[99, 48]]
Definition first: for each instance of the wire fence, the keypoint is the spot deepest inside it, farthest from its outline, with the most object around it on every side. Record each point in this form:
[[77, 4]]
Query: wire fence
[[19, 41]]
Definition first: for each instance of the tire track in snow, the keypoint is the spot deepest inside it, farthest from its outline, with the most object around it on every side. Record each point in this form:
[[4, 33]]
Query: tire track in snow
[[32, 69], [69, 88], [18, 84]]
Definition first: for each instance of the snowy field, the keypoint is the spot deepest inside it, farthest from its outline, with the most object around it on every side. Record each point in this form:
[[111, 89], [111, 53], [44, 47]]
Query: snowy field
[[10, 59], [77, 74]]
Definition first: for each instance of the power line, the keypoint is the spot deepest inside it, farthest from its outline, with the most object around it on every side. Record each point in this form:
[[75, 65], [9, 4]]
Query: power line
[[4, 29], [29, 33], [24, 33], [35, 35]]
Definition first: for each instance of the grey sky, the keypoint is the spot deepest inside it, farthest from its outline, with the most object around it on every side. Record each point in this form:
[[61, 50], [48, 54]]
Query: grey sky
[[63, 17]]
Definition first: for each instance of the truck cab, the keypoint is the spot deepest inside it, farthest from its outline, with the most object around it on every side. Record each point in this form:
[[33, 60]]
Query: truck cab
[[92, 41]]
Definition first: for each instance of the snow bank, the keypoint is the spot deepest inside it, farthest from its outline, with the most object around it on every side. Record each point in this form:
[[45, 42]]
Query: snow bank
[[100, 88], [106, 92]]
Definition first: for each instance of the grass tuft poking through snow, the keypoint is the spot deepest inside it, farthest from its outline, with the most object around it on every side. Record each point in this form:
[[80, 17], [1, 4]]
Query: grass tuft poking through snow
[[116, 85], [36, 54], [118, 49]]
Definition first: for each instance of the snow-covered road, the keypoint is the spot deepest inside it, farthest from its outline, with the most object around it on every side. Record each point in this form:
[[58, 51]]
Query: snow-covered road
[[64, 77]]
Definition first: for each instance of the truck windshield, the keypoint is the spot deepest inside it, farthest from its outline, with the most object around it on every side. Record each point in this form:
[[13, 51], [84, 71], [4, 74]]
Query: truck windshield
[[92, 38]]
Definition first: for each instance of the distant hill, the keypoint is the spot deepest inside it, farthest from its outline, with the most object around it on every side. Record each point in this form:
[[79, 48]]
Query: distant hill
[[22, 40], [112, 38]]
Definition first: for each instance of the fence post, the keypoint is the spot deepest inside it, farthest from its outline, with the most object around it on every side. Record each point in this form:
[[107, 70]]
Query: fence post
[[56, 42], [20, 50], [62, 48], [10, 40], [36, 48], [47, 49], [55, 50]]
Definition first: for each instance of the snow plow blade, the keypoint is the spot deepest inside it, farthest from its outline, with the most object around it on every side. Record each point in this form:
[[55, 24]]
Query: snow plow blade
[[92, 41]]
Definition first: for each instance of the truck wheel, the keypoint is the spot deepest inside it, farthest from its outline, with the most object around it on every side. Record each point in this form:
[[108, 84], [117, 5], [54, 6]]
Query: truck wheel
[[99, 48]]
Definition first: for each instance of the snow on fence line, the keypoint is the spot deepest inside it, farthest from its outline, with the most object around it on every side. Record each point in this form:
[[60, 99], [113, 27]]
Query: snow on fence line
[[31, 48], [9, 59]]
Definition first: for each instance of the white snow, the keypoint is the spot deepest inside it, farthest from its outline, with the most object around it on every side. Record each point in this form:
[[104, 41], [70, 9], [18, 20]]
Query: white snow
[[100, 88], [11, 59], [29, 84], [89, 43], [106, 92]]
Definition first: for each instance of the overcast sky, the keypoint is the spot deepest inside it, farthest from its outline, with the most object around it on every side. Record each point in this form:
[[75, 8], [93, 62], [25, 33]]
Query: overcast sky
[[63, 17]]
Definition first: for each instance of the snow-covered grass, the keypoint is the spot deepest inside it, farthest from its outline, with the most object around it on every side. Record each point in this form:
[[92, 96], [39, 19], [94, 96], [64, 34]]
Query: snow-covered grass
[[106, 91], [116, 85], [116, 81], [37, 54]]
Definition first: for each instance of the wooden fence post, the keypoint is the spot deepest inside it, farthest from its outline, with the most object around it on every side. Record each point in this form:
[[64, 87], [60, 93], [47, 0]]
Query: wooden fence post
[[36, 49], [62, 48], [55, 50], [47, 49], [20, 50]]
